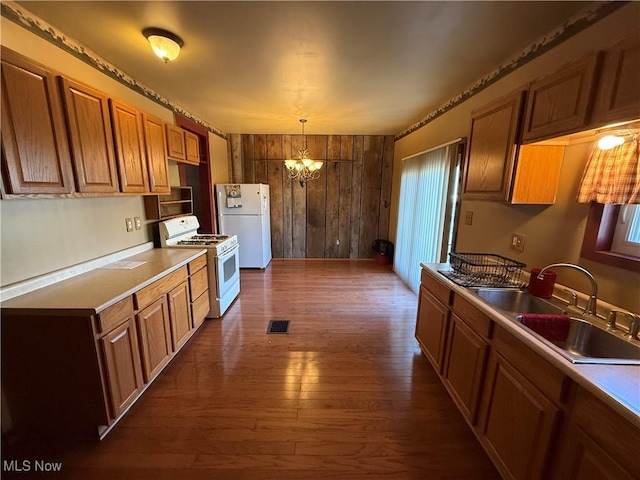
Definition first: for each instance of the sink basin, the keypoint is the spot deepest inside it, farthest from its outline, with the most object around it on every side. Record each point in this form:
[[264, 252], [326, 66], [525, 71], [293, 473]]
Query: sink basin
[[517, 301], [584, 343], [588, 343]]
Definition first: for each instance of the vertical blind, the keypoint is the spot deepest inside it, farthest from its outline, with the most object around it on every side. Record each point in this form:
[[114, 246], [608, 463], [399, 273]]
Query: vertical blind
[[425, 211]]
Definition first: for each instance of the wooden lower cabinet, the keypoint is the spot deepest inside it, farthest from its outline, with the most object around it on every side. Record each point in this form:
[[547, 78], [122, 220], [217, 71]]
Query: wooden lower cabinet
[[517, 422], [431, 328], [465, 364], [597, 443], [122, 365], [75, 374], [180, 314], [154, 331], [533, 421], [199, 290]]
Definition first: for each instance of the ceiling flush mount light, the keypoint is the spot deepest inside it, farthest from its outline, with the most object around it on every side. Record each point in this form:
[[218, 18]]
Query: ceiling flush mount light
[[165, 44], [303, 168]]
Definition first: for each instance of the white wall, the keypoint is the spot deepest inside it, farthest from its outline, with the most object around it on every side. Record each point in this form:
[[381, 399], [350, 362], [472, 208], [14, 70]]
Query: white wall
[[554, 233]]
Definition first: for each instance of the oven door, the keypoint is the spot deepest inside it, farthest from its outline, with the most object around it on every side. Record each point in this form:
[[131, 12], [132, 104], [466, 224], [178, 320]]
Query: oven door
[[227, 272]]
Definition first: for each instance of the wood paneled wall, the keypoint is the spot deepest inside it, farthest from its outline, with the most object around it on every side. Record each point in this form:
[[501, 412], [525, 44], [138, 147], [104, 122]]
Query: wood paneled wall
[[348, 204]]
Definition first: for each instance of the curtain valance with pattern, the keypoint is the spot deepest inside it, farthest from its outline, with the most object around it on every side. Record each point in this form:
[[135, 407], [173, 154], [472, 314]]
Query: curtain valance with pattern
[[612, 176]]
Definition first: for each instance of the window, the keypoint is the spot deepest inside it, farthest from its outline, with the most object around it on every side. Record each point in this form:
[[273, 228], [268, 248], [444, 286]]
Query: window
[[626, 236], [598, 238], [426, 210]]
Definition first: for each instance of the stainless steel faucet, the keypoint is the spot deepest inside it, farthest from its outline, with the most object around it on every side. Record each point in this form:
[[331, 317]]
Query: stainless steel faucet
[[591, 306]]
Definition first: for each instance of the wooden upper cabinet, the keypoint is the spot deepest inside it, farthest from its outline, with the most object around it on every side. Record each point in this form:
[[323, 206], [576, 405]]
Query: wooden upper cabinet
[[156, 150], [618, 98], [91, 137], [493, 144], [176, 148], [537, 174], [34, 136], [561, 103], [130, 152], [192, 144]]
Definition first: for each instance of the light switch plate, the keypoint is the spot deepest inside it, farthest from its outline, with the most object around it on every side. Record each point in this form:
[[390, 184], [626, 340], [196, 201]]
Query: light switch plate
[[517, 242]]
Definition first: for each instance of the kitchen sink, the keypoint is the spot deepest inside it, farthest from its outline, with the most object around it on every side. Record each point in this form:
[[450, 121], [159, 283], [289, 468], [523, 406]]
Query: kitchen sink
[[588, 343], [584, 342], [518, 301]]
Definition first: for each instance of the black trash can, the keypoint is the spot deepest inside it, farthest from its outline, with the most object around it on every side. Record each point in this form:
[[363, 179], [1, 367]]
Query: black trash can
[[384, 251]]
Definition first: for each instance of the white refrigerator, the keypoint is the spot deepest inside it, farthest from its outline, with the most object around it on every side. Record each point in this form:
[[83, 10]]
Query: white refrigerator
[[244, 210]]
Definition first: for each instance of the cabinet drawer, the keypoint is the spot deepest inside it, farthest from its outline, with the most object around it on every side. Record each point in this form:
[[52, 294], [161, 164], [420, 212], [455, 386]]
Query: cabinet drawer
[[551, 381], [437, 289], [197, 264], [114, 315], [160, 287], [200, 308], [474, 318], [198, 282]]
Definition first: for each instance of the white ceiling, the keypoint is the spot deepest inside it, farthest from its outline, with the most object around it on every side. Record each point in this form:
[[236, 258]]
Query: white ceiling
[[355, 67]]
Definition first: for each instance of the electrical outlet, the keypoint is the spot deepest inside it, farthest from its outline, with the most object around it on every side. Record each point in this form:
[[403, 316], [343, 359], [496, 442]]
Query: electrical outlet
[[517, 242], [129, 223], [468, 218], [137, 222]]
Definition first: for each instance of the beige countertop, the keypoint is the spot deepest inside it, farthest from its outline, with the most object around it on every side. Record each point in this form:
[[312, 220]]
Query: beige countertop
[[617, 385], [91, 292]]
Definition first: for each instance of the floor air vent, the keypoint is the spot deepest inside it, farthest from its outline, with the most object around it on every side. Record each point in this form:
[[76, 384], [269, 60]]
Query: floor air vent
[[278, 326]]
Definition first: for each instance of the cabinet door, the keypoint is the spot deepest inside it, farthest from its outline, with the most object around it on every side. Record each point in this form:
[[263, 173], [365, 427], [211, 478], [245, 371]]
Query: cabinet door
[[537, 174], [91, 137], [156, 149], [431, 328], [155, 337], [123, 369], [493, 145], [192, 145], [598, 442], [34, 136], [517, 422], [619, 95], [180, 314], [176, 148], [582, 458], [465, 366], [130, 154], [561, 103]]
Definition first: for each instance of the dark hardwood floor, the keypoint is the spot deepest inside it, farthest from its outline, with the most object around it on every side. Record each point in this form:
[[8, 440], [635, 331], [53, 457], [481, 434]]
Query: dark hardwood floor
[[346, 394]]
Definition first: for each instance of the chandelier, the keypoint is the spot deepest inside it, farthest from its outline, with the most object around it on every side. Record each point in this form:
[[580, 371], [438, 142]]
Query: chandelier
[[303, 168]]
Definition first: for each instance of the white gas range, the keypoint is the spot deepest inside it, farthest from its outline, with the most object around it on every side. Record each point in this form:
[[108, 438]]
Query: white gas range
[[222, 258]]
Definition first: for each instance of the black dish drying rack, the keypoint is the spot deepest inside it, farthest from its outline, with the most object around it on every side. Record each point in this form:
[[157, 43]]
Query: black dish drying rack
[[484, 270]]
